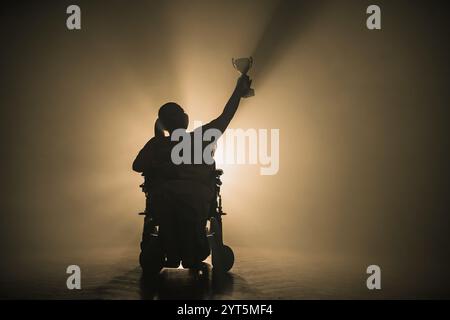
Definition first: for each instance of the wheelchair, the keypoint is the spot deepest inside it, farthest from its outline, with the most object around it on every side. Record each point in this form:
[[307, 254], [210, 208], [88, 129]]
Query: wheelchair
[[153, 257]]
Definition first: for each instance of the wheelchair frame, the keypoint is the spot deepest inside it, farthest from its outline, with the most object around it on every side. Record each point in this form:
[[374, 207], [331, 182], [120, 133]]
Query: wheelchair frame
[[152, 257]]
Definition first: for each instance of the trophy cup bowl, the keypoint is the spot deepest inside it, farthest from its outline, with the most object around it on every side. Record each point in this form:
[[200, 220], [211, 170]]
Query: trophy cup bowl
[[243, 65]]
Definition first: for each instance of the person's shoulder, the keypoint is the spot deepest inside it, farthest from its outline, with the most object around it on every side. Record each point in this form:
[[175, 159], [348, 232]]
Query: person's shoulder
[[152, 143], [157, 140], [153, 140]]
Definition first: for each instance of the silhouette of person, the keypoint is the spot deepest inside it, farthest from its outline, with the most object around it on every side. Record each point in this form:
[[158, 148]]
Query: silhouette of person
[[181, 194]]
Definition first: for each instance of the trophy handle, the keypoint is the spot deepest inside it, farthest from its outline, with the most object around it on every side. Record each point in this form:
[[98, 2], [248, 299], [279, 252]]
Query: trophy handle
[[232, 62]]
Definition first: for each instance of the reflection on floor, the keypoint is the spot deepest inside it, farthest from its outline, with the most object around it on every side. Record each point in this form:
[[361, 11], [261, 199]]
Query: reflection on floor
[[257, 274], [270, 274], [177, 284]]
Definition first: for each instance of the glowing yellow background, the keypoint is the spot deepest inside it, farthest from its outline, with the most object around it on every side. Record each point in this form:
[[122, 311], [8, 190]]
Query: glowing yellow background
[[360, 115]]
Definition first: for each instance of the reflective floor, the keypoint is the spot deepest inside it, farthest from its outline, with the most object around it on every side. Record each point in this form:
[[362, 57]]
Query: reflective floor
[[257, 274], [177, 284]]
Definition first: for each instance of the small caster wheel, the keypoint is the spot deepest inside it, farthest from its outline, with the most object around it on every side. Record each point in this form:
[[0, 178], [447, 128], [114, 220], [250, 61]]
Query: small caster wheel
[[227, 258]]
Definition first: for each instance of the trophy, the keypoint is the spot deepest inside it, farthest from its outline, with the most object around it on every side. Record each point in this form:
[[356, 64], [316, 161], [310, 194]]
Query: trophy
[[243, 65]]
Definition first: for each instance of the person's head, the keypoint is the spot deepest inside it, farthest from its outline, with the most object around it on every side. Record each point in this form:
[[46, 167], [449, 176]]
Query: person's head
[[173, 117]]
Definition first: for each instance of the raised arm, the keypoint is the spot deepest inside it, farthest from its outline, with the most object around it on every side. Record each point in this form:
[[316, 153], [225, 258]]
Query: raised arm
[[222, 121]]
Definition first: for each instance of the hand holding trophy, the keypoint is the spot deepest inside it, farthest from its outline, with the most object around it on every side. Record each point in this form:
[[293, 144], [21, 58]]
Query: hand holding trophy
[[243, 65]]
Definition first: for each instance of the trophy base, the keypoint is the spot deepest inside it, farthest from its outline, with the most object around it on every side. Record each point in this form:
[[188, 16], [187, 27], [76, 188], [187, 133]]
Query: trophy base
[[250, 93]]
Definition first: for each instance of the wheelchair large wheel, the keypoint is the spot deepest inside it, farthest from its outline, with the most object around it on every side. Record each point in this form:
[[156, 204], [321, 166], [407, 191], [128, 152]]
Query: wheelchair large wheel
[[149, 265], [227, 258], [222, 257], [151, 257]]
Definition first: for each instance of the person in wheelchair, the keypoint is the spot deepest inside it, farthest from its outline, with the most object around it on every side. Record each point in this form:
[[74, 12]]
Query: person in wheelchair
[[181, 197]]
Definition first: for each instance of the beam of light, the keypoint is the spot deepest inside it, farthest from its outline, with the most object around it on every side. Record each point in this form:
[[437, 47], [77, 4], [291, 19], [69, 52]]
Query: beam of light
[[287, 22]]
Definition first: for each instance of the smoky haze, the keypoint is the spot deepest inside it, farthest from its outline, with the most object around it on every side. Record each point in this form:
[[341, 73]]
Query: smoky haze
[[362, 117]]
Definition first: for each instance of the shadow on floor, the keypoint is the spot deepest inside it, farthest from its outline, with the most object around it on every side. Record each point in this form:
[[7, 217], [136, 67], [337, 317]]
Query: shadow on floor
[[187, 284], [172, 284]]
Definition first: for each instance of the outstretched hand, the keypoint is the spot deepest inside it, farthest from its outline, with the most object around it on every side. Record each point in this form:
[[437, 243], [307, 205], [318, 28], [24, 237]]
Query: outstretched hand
[[243, 85]]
